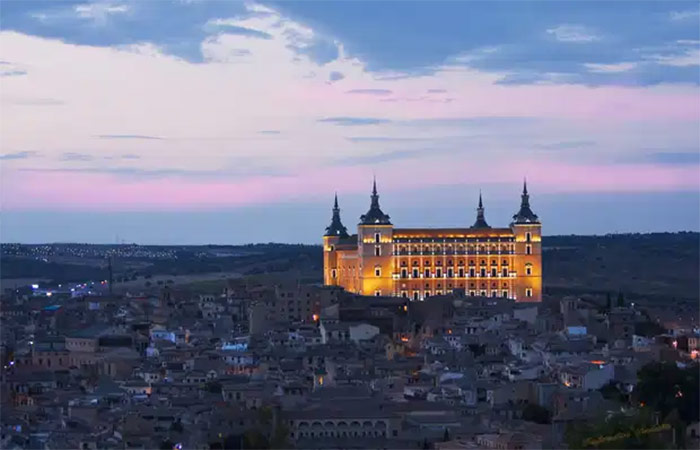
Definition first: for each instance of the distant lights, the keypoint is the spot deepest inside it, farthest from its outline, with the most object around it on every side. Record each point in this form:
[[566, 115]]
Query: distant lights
[[35, 286]]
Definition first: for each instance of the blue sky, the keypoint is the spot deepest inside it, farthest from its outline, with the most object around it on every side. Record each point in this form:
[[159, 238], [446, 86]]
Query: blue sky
[[134, 112]]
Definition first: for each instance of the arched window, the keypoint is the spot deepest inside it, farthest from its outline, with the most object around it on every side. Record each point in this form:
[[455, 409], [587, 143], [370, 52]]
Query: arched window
[[377, 237]]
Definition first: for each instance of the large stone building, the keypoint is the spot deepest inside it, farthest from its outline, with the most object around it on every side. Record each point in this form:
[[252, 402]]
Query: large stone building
[[419, 262]]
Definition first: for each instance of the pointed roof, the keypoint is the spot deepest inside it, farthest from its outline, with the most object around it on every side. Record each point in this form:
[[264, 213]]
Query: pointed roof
[[336, 228], [480, 219], [375, 215], [525, 214]]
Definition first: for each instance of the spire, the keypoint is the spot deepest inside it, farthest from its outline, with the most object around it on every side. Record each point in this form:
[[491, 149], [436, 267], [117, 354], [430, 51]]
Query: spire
[[480, 219], [336, 227], [525, 214], [375, 215]]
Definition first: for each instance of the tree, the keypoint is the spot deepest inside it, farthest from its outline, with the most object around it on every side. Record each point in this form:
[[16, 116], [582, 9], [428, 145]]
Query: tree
[[166, 445], [620, 300], [536, 413], [620, 431], [664, 387]]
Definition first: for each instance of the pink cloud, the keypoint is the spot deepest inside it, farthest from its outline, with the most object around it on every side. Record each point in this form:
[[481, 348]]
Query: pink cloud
[[81, 191]]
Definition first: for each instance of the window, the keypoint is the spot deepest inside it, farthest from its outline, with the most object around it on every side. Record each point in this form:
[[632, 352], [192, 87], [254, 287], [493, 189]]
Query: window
[[472, 272], [415, 273], [427, 294], [377, 251], [528, 236], [377, 293], [334, 273], [505, 271], [427, 273], [404, 294], [450, 273], [377, 271], [482, 293], [332, 247], [528, 292], [472, 293], [404, 273], [415, 295], [483, 272], [494, 272], [494, 293], [377, 237], [438, 272], [528, 249], [504, 294], [461, 272], [528, 269], [438, 292]]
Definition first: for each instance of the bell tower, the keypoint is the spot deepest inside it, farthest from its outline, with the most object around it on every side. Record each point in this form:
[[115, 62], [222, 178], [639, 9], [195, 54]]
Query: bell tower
[[527, 231], [375, 249]]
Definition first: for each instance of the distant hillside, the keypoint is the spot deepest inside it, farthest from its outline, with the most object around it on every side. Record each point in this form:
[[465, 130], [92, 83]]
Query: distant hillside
[[658, 266]]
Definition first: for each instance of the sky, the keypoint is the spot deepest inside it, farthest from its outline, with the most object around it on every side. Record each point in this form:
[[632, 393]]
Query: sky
[[193, 122]]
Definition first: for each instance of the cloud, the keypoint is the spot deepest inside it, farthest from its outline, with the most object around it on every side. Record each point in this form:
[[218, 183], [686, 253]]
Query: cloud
[[382, 157], [335, 76], [229, 26], [566, 145], [269, 132], [243, 171], [678, 16], [573, 33], [128, 136], [31, 101], [73, 156], [129, 156], [378, 92], [688, 57], [611, 68], [436, 91], [362, 139], [672, 158], [99, 12], [18, 155], [352, 121]]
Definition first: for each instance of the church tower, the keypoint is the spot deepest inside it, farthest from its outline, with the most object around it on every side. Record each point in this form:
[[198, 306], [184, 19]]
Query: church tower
[[375, 249], [527, 231], [334, 233]]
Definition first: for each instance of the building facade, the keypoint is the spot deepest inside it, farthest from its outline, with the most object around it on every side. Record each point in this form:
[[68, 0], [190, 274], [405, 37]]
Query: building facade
[[419, 262]]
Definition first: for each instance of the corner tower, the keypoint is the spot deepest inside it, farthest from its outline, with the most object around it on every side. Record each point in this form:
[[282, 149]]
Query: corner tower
[[527, 231], [334, 233], [375, 249]]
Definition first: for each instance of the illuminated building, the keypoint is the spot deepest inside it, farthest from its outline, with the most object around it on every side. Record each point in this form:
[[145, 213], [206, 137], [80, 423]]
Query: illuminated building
[[419, 262]]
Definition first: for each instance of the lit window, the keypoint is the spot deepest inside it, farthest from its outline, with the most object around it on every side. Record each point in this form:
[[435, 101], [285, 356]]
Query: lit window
[[377, 272], [528, 292]]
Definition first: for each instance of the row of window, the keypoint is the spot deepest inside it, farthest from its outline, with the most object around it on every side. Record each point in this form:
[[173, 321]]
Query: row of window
[[378, 252], [378, 237], [449, 273], [422, 295]]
